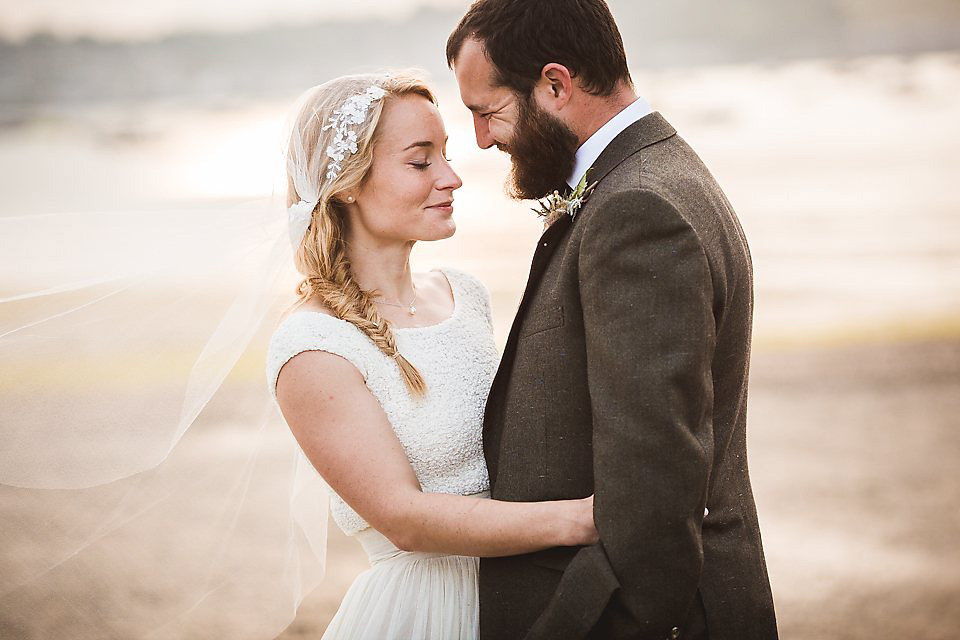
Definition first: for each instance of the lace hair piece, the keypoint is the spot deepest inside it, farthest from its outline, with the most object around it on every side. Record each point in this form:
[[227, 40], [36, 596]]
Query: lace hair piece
[[352, 112], [345, 121]]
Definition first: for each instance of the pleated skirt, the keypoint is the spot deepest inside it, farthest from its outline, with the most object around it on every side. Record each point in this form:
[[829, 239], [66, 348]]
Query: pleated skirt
[[408, 595]]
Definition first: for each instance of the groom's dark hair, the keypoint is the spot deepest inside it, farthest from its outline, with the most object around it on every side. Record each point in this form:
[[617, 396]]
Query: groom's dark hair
[[522, 36]]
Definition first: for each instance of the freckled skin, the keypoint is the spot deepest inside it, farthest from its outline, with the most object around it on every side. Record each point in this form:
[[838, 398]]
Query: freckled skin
[[396, 202]]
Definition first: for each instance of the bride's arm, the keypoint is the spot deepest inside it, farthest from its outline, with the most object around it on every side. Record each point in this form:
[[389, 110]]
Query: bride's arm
[[345, 434]]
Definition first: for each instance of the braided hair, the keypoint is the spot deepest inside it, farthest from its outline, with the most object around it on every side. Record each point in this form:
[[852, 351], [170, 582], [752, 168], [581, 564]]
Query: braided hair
[[321, 256]]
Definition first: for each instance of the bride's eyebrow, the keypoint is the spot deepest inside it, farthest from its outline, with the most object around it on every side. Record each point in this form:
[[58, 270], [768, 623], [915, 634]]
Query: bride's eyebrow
[[423, 143]]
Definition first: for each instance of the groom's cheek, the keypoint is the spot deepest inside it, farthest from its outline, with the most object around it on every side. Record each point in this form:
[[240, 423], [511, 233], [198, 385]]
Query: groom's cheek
[[501, 132]]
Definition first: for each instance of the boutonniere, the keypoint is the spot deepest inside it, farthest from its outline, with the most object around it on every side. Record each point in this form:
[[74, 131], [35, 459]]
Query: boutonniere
[[554, 206]]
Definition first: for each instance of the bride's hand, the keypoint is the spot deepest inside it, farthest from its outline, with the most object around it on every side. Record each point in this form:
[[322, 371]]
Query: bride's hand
[[584, 528]]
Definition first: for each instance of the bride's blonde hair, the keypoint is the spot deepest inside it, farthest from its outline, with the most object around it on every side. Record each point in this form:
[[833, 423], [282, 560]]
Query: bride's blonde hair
[[321, 256]]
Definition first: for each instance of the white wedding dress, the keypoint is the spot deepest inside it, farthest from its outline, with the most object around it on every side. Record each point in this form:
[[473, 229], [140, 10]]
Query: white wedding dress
[[410, 595]]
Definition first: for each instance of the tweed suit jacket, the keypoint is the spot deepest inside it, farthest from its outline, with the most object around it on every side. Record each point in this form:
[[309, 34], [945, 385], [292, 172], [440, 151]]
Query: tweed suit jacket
[[625, 376]]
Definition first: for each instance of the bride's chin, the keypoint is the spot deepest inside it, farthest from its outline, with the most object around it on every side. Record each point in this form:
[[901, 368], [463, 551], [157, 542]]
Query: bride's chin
[[444, 231]]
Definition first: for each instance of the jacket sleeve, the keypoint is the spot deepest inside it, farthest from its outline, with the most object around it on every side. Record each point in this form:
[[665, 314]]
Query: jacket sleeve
[[648, 318]]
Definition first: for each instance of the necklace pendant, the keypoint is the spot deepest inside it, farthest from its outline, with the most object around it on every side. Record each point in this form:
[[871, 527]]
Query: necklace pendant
[[412, 310]]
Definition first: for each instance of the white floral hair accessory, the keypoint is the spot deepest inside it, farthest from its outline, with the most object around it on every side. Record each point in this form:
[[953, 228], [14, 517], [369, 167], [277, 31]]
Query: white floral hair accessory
[[352, 112], [345, 122]]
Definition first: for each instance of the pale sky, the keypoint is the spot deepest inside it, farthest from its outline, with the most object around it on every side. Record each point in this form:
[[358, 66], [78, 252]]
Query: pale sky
[[144, 19]]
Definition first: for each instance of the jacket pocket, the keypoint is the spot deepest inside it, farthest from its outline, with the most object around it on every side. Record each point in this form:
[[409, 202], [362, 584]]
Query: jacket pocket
[[556, 558], [542, 320]]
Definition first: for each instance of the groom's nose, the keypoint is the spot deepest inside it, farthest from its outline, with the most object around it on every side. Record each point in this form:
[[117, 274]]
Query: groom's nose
[[482, 129]]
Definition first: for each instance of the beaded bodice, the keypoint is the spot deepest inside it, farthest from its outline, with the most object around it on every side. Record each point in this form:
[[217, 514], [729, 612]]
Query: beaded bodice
[[441, 433]]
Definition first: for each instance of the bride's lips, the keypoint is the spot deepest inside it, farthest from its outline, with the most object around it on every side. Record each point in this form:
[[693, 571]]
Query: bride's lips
[[446, 207]]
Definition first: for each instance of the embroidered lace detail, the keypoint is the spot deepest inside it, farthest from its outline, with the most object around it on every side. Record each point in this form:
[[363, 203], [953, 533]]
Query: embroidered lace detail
[[349, 115], [440, 433]]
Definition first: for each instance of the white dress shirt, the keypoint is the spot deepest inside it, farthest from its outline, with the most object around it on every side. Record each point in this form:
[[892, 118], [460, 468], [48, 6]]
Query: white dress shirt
[[590, 150]]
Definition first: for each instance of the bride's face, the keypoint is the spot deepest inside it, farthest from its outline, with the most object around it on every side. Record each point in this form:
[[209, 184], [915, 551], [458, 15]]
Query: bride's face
[[408, 193]]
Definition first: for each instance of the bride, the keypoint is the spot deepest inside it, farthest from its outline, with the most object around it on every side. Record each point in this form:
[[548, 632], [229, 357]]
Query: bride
[[382, 374]]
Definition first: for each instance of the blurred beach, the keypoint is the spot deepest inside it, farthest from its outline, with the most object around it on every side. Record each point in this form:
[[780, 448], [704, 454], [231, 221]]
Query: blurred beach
[[832, 128]]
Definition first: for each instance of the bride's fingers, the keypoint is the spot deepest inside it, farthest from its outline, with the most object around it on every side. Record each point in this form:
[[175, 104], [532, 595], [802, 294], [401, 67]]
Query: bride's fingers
[[593, 536]]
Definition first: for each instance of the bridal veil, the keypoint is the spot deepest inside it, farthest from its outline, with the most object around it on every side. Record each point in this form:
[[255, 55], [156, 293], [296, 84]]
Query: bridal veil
[[148, 484]]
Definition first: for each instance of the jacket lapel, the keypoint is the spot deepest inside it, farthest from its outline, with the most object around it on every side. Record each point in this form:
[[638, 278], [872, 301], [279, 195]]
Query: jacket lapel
[[491, 420], [541, 258], [650, 129]]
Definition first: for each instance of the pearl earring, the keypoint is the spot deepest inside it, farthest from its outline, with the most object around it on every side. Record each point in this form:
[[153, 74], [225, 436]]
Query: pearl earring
[[349, 198]]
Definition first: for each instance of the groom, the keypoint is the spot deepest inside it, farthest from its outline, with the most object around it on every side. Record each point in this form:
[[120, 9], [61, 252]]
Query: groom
[[625, 372]]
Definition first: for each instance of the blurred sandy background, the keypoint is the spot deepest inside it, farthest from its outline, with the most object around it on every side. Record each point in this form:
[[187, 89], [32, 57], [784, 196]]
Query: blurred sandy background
[[832, 125]]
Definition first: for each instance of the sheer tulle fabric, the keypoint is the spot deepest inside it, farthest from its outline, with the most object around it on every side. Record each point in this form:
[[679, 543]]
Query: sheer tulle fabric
[[404, 594], [149, 487]]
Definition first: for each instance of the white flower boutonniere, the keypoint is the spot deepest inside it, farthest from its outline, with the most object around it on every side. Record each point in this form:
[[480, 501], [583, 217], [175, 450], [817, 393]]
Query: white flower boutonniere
[[554, 206]]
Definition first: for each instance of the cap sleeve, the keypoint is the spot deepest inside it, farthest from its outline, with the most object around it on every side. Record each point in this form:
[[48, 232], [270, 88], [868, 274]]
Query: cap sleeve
[[311, 331]]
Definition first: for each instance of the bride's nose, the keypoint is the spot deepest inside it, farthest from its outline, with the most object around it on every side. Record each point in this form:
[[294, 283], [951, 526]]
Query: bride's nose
[[449, 180]]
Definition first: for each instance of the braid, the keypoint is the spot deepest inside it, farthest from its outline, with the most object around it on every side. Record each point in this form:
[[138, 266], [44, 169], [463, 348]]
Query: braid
[[335, 287], [321, 255]]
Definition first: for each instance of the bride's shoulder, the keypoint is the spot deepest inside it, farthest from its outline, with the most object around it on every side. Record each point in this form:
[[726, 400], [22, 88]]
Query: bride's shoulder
[[310, 323], [458, 278], [311, 316], [314, 331], [309, 306], [468, 288]]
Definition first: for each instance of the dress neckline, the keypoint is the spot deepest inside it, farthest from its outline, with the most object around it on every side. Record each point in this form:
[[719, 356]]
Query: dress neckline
[[451, 281], [448, 319]]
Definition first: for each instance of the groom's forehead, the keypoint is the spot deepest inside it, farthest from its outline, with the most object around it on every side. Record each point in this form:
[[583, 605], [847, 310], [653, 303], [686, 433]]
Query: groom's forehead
[[491, 99], [487, 99], [481, 97], [474, 70]]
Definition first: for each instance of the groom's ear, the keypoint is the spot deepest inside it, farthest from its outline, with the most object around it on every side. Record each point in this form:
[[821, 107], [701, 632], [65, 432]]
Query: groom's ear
[[555, 86]]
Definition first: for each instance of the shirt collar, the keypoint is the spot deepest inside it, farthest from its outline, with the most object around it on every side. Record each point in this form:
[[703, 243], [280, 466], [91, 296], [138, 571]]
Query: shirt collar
[[590, 150]]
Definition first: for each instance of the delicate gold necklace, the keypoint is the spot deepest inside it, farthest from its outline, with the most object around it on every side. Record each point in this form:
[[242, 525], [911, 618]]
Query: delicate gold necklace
[[411, 309]]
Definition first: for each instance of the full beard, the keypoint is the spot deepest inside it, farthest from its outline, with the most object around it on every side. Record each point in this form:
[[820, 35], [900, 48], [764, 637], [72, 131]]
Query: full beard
[[543, 153]]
